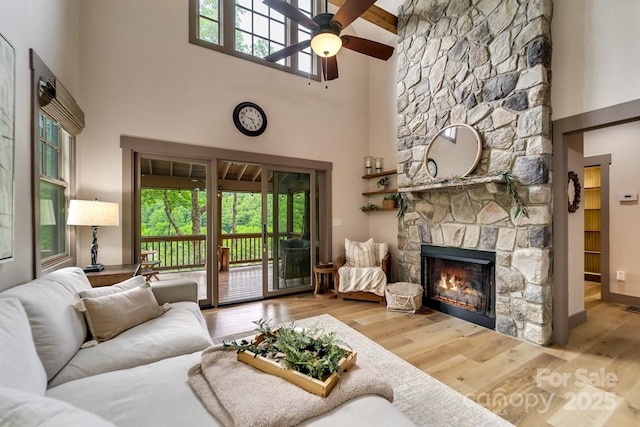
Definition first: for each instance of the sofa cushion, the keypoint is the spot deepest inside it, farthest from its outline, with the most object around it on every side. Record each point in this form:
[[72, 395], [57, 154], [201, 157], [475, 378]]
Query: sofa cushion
[[110, 315], [360, 254], [58, 329], [163, 390], [125, 285], [179, 331], [22, 409], [20, 367]]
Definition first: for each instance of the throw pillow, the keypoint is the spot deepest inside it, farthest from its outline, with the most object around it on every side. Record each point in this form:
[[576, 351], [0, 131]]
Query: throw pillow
[[125, 285], [109, 315], [20, 366], [359, 254], [18, 408]]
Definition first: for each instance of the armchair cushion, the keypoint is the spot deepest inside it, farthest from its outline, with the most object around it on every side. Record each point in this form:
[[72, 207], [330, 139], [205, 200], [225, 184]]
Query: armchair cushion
[[365, 279], [360, 254]]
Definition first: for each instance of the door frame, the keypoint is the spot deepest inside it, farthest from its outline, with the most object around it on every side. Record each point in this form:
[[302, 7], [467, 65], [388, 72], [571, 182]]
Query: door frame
[[134, 146], [562, 128], [312, 225]]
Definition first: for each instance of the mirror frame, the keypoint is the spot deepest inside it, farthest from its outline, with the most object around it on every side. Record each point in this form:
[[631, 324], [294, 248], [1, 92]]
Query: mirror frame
[[475, 161]]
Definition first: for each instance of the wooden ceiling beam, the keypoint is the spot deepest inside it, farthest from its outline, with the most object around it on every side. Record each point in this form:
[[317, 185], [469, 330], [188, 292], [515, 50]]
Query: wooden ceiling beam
[[226, 170], [377, 16], [242, 171], [256, 174]]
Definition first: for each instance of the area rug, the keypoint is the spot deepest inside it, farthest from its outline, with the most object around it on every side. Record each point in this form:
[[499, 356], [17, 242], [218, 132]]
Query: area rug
[[422, 398]]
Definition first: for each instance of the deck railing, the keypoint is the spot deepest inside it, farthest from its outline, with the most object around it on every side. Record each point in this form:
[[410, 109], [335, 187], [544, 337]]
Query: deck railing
[[188, 252]]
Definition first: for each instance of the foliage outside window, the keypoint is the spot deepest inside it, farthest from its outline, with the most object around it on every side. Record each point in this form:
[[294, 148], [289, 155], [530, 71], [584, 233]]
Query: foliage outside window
[[171, 212], [54, 166], [253, 31]]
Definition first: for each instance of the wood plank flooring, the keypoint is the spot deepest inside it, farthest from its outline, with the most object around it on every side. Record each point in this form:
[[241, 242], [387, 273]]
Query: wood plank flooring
[[594, 380]]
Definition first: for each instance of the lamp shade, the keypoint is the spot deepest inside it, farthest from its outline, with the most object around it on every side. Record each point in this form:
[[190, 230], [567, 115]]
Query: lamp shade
[[93, 213], [326, 44]]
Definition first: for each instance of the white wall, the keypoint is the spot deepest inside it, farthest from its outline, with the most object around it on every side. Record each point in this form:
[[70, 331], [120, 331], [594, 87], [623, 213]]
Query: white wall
[[383, 226], [141, 77], [596, 55], [575, 223], [624, 232], [50, 27]]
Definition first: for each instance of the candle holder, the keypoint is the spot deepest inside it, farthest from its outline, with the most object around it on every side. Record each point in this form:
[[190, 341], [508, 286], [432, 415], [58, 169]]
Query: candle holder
[[378, 163], [368, 161]]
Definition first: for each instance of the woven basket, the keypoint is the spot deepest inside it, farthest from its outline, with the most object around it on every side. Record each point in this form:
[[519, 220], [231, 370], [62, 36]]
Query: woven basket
[[404, 296]]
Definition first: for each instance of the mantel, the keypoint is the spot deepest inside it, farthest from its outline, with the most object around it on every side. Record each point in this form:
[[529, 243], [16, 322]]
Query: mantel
[[453, 183]]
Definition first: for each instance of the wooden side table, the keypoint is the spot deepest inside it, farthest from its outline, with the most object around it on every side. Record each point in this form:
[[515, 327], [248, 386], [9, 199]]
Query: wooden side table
[[324, 276], [112, 274]]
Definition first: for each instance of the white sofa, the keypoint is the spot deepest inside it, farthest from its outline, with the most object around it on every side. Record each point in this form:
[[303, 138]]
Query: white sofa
[[138, 378]]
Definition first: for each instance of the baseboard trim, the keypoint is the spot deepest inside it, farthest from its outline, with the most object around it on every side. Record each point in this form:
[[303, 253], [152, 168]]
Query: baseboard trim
[[577, 319]]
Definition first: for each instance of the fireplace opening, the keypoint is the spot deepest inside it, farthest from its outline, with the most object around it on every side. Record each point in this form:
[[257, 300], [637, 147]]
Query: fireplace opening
[[460, 282]]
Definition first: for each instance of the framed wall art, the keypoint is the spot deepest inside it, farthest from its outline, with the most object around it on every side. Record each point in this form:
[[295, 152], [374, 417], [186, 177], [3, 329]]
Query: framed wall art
[[7, 142]]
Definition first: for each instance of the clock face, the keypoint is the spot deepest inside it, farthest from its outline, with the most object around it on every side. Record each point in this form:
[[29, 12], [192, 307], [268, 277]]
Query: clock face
[[250, 119]]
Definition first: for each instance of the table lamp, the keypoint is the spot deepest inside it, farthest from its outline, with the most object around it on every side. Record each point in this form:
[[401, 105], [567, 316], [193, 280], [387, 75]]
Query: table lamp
[[94, 214]]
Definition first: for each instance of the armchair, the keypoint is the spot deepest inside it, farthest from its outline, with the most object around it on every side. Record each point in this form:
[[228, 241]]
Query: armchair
[[363, 271], [295, 256]]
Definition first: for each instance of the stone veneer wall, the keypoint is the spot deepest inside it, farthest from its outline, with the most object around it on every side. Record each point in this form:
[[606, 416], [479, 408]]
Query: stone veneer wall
[[485, 63]]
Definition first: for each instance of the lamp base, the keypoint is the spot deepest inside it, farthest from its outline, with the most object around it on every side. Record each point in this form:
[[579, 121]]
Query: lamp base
[[93, 268]]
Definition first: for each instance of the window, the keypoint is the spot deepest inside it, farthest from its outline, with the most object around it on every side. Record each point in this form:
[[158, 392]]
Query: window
[[54, 166], [251, 30], [56, 120]]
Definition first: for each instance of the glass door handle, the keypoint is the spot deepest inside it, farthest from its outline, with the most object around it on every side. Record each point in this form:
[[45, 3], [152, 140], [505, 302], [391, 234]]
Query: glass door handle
[[264, 234]]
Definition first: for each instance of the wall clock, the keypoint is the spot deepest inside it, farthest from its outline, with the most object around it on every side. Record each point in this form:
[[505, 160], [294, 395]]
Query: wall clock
[[250, 119]]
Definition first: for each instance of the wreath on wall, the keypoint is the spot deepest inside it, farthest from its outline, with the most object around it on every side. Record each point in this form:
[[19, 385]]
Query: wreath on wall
[[573, 191]]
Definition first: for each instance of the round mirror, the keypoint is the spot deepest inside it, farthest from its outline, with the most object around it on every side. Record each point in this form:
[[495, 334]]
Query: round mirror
[[453, 152]]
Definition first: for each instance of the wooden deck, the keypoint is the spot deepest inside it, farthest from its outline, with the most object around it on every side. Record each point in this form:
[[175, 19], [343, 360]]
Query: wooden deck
[[238, 284]]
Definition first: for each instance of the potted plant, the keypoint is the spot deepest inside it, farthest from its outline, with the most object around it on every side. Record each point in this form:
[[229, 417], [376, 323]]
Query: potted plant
[[383, 183], [390, 201]]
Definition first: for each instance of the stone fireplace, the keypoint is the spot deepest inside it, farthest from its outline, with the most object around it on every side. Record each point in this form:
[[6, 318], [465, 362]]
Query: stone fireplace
[[484, 63], [460, 282]]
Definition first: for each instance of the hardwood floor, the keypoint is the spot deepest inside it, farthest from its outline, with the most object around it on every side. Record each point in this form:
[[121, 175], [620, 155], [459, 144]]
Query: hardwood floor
[[594, 380]]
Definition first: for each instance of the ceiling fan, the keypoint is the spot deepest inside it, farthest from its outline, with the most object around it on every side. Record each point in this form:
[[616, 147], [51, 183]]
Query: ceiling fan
[[325, 34]]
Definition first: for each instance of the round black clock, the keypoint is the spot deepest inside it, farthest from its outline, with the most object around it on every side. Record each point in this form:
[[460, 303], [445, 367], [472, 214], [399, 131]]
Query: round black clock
[[250, 119]]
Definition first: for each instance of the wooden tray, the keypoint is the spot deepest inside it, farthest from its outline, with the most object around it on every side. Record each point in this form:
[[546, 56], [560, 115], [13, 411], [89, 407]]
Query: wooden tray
[[312, 385]]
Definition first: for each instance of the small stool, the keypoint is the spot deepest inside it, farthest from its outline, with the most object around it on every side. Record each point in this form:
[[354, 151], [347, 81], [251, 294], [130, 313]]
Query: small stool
[[324, 275]]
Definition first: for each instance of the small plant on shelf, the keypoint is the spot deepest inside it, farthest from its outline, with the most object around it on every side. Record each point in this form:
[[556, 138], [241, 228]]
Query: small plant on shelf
[[390, 201], [383, 183], [369, 207]]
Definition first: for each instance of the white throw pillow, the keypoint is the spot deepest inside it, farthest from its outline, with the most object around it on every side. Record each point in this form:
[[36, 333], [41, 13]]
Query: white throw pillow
[[109, 315], [22, 409], [20, 366], [360, 254], [58, 330], [125, 285]]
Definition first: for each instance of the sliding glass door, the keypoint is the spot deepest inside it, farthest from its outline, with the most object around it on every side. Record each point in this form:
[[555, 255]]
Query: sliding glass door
[[289, 242]]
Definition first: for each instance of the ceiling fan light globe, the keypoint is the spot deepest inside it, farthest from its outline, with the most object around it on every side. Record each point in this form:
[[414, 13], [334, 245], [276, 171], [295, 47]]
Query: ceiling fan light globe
[[326, 44]]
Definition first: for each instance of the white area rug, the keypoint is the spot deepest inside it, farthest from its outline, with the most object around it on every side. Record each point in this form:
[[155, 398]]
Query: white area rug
[[422, 398]]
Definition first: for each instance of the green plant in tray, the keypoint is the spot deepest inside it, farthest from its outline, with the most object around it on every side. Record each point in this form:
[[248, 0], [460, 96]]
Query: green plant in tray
[[309, 351]]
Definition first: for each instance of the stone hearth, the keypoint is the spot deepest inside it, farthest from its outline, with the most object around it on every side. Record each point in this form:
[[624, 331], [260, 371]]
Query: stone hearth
[[484, 63]]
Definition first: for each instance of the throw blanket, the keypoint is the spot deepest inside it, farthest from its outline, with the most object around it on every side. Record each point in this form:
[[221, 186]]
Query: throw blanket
[[368, 279], [240, 395]]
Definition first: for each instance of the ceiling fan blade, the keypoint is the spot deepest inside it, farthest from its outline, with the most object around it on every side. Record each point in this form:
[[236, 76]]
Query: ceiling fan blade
[[292, 13], [330, 67], [368, 47], [351, 10], [287, 51]]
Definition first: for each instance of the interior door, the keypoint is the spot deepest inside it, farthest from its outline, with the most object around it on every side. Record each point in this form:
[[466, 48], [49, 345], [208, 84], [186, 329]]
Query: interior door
[[289, 242]]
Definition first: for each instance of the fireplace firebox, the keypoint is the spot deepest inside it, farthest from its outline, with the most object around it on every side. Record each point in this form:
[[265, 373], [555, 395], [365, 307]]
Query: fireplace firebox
[[460, 282]]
